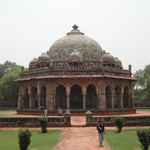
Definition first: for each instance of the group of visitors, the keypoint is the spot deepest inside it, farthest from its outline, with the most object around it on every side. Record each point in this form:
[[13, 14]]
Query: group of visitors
[[59, 112], [41, 108]]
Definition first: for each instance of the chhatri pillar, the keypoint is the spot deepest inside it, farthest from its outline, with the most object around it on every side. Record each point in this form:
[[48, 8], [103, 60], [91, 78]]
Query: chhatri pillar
[[132, 102], [112, 98], [50, 95], [121, 97], [84, 97], [20, 98], [39, 95], [30, 97], [102, 95], [68, 96]]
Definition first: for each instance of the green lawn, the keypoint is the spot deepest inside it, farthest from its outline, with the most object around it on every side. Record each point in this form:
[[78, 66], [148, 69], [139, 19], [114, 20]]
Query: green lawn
[[39, 141], [5, 113], [144, 110], [126, 140]]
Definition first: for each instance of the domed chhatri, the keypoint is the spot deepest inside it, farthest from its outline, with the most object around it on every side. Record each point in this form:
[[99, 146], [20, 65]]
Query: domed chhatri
[[75, 56], [107, 57], [33, 63], [75, 74], [118, 63], [108, 60], [43, 60]]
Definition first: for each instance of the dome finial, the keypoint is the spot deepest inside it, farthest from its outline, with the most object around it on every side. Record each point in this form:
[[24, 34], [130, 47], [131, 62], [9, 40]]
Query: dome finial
[[75, 27]]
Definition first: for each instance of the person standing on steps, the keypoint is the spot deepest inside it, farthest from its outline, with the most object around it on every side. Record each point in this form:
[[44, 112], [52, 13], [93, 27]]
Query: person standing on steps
[[101, 131], [59, 111], [45, 112]]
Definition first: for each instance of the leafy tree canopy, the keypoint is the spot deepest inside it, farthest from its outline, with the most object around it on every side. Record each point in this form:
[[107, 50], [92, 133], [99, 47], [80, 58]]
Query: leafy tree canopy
[[142, 86], [4, 68], [8, 88]]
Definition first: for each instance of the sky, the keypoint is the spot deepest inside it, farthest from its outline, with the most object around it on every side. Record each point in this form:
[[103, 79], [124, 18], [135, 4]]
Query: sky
[[29, 27]]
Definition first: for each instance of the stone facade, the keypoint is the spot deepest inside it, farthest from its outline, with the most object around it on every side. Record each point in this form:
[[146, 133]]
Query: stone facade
[[76, 74]]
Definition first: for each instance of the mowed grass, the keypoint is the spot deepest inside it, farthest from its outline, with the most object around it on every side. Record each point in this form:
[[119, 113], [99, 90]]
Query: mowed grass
[[5, 113], [143, 110], [39, 141], [126, 140]]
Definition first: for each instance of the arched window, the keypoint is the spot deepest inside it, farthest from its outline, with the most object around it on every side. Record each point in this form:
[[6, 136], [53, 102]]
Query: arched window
[[108, 98], [34, 97], [43, 96], [76, 99], [61, 97], [117, 97], [126, 99], [26, 99], [91, 97]]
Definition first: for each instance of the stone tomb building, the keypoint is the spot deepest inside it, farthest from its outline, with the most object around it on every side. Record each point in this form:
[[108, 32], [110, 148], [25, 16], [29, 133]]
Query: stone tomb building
[[76, 74]]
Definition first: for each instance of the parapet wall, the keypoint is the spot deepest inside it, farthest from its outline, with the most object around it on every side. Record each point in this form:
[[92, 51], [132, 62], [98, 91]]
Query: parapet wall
[[128, 120], [59, 121]]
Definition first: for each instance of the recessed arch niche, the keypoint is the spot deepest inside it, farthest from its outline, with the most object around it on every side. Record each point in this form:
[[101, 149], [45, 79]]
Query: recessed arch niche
[[61, 97], [91, 97], [76, 99]]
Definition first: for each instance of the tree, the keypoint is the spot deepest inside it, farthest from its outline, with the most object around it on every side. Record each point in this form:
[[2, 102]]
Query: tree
[[4, 68], [140, 94], [140, 76], [8, 88], [143, 82]]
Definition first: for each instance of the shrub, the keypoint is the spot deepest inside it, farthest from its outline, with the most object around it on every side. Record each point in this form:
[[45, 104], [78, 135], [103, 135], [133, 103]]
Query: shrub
[[43, 123], [24, 139], [144, 137], [119, 123]]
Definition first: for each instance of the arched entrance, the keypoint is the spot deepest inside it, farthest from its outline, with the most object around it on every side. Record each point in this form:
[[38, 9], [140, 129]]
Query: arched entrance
[[108, 98], [34, 97], [117, 97], [126, 100], [76, 99], [61, 97], [91, 97], [43, 96], [26, 99]]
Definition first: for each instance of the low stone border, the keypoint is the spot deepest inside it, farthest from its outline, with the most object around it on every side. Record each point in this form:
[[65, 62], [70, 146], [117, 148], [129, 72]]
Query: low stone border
[[108, 120], [55, 121]]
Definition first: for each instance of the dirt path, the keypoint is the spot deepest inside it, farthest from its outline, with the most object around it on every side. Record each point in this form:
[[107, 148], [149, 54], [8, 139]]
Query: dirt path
[[80, 139]]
